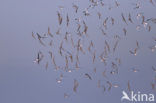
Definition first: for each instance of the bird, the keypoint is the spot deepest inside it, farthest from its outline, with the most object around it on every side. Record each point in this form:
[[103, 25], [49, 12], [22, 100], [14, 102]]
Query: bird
[[129, 18], [116, 3], [134, 52], [59, 18], [67, 20], [49, 33], [76, 84], [154, 69], [123, 18], [110, 85], [128, 84], [88, 76], [115, 46], [99, 15], [125, 31], [105, 23], [33, 35], [75, 7]]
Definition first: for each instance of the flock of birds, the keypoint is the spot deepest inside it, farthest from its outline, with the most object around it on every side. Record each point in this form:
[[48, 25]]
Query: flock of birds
[[74, 45]]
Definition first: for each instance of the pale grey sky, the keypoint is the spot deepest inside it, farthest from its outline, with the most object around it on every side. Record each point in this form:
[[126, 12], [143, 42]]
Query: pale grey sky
[[22, 81]]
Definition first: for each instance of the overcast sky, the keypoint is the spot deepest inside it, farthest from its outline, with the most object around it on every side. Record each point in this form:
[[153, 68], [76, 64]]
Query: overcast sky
[[22, 81]]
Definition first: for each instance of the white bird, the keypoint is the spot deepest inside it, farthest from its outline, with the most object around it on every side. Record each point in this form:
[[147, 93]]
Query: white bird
[[125, 96]]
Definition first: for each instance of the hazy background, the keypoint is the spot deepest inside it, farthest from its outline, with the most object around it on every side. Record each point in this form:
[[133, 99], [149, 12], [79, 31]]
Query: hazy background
[[22, 81]]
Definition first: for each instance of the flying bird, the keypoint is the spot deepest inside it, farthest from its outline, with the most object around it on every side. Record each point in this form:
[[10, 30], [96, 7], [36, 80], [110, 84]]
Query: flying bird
[[75, 7], [59, 18], [76, 84], [88, 76], [123, 18]]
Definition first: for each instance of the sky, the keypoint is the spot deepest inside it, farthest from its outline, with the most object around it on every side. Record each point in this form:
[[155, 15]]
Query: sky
[[23, 81]]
